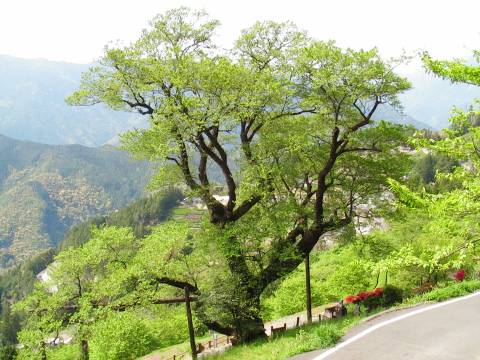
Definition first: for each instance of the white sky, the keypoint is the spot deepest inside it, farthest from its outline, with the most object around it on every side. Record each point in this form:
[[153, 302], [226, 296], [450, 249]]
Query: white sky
[[77, 30]]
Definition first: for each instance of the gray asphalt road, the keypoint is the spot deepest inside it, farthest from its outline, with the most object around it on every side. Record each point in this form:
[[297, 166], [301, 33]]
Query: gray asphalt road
[[448, 331]]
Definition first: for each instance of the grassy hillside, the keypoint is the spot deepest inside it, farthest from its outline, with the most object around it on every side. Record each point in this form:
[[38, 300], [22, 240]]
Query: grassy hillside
[[44, 190]]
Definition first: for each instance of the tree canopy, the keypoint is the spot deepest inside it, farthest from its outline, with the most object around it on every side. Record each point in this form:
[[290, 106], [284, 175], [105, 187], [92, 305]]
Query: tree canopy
[[285, 118]]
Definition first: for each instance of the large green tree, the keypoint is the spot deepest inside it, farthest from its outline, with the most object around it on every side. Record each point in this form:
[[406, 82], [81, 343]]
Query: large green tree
[[285, 119], [112, 273], [72, 294]]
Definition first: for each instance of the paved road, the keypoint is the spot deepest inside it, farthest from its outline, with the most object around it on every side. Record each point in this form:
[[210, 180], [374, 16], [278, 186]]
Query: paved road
[[445, 331]]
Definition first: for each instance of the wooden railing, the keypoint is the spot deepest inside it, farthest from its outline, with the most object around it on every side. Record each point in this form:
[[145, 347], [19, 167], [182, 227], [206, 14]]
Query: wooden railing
[[224, 341]]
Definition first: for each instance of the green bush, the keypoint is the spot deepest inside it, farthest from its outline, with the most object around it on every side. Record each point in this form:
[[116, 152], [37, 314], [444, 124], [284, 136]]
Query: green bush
[[169, 325], [121, 337], [350, 278], [320, 338], [63, 352], [391, 295], [455, 290], [289, 298], [7, 352]]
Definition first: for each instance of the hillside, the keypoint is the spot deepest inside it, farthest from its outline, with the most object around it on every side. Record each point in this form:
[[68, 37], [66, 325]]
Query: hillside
[[32, 105], [140, 216], [19, 281], [45, 189]]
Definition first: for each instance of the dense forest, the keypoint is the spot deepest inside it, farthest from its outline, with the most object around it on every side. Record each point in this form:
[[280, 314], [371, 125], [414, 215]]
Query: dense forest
[[287, 160]]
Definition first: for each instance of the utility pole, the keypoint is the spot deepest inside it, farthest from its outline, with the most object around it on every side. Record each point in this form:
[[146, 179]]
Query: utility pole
[[191, 332], [308, 290]]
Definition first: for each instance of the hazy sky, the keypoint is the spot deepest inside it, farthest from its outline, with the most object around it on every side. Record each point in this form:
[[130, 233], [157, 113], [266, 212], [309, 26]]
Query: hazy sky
[[77, 30]]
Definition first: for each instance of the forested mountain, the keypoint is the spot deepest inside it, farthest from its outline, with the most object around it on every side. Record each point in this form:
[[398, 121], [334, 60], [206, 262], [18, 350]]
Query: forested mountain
[[32, 105], [45, 189], [140, 216]]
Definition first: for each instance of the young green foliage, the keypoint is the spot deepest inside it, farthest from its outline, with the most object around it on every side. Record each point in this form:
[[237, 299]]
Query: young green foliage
[[286, 121]]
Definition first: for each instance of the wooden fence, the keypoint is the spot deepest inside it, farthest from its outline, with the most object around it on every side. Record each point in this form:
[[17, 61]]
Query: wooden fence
[[224, 341], [203, 347]]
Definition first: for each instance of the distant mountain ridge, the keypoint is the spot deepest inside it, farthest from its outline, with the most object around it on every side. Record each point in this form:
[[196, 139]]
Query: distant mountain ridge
[[45, 189], [32, 105], [388, 113]]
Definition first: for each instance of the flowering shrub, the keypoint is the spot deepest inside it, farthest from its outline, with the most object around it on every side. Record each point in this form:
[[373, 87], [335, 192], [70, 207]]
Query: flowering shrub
[[351, 299], [375, 298], [459, 275], [378, 291], [362, 296]]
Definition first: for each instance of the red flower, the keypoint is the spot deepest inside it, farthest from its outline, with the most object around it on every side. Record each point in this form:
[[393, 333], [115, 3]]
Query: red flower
[[365, 294], [351, 299], [459, 275], [378, 291]]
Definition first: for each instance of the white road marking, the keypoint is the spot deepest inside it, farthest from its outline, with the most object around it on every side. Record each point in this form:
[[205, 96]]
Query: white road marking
[[388, 322]]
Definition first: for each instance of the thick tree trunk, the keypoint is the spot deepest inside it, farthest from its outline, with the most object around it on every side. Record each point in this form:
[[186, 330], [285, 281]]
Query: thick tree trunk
[[248, 323], [249, 328]]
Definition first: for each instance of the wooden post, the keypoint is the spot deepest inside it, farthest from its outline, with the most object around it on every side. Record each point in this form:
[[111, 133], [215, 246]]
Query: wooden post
[[84, 349], [298, 321], [308, 290], [191, 332], [44, 351]]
